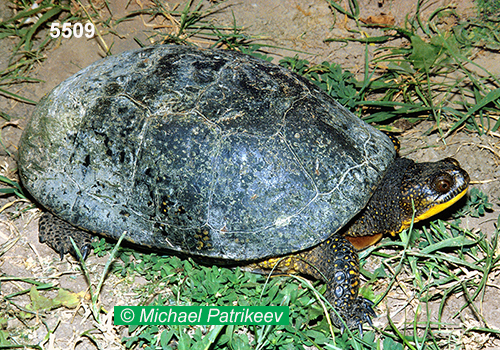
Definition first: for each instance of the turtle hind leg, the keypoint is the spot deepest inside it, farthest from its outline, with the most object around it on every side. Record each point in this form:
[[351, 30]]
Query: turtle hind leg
[[56, 234], [336, 262]]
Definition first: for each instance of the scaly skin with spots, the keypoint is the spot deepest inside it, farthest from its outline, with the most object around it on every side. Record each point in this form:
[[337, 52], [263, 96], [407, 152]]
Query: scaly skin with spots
[[408, 187], [56, 234], [336, 262], [338, 258]]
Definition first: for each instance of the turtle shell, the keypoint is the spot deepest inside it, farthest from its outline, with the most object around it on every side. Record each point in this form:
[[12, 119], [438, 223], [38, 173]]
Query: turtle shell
[[207, 152]]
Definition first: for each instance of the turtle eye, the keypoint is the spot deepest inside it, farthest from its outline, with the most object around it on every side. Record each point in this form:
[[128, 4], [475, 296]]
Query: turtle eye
[[443, 183]]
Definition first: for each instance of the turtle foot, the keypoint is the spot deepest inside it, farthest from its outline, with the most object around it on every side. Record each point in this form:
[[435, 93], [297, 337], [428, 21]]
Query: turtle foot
[[361, 311], [56, 234]]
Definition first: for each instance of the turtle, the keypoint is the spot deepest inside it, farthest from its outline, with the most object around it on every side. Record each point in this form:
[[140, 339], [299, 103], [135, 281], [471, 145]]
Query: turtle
[[220, 155]]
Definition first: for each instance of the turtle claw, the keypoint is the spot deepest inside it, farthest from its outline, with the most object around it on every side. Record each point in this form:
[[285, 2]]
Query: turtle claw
[[85, 250], [367, 312], [360, 312], [342, 328], [360, 328]]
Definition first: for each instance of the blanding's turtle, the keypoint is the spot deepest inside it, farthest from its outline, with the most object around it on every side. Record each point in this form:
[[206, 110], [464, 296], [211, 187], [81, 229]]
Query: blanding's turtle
[[221, 155]]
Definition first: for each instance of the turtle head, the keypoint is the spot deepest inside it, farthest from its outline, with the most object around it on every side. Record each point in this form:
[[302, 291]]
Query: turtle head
[[408, 192], [429, 188]]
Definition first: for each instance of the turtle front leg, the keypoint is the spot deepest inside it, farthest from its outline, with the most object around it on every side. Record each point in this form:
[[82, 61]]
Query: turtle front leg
[[55, 233], [336, 262]]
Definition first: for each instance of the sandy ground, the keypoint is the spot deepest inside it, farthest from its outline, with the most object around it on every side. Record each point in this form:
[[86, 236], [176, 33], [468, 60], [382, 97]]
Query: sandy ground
[[298, 26]]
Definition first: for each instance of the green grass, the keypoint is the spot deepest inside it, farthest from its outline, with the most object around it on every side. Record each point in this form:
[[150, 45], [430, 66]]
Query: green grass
[[488, 9], [432, 76], [429, 263]]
